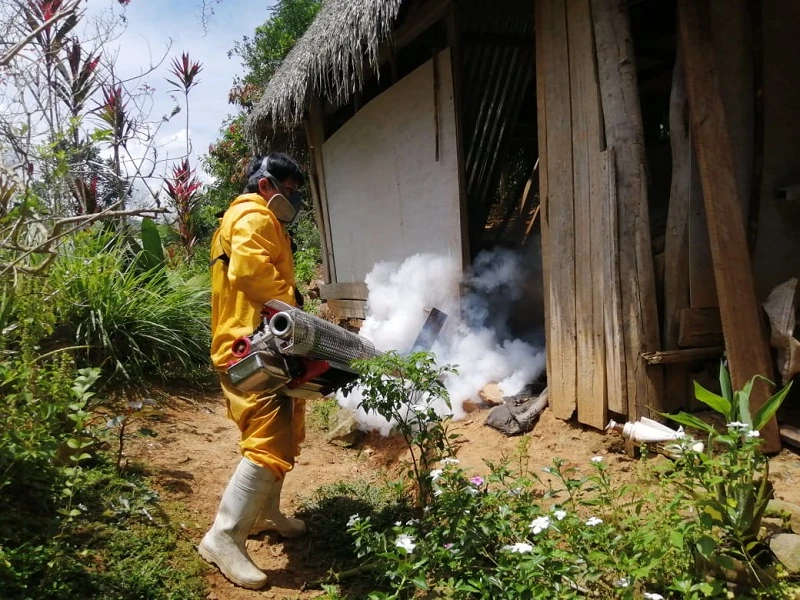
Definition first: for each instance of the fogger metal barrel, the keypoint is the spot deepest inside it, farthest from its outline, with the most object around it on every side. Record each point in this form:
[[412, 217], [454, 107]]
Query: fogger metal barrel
[[305, 335]]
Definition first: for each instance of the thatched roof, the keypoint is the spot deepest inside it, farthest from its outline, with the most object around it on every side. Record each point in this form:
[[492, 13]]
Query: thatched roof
[[328, 58]]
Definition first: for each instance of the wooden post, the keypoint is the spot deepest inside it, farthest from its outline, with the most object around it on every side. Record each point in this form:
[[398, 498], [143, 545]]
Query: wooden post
[[616, 374], [625, 134], [315, 134], [676, 244], [589, 188], [556, 197], [748, 353]]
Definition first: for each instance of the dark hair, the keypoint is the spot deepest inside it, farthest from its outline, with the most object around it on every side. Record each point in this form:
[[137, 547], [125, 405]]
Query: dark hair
[[280, 165]]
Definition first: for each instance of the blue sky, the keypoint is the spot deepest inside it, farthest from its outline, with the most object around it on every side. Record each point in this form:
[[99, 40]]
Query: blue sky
[[152, 25]]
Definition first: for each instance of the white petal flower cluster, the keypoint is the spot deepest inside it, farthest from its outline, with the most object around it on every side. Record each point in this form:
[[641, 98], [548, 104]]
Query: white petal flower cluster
[[593, 521], [518, 548], [353, 520], [597, 459], [406, 542], [539, 524], [559, 514]]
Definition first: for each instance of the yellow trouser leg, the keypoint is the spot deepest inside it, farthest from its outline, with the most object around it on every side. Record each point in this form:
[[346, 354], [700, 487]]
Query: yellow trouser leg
[[272, 427]]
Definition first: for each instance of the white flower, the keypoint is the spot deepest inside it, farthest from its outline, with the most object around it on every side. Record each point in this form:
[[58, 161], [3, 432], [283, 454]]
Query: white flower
[[436, 492], [653, 596], [539, 524], [419, 408], [597, 459], [406, 542], [435, 474], [737, 425], [398, 523], [754, 433], [449, 461], [559, 514], [472, 491], [518, 548], [411, 522], [593, 521], [623, 583], [353, 520]]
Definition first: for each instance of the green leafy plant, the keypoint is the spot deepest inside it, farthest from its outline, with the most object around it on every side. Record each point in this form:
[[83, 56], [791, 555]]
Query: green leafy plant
[[408, 392], [135, 325], [729, 482]]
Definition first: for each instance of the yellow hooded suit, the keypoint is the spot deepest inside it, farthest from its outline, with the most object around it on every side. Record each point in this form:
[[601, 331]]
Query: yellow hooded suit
[[255, 265]]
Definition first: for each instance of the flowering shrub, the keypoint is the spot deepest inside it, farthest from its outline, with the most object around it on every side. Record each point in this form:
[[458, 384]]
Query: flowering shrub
[[511, 535], [575, 533]]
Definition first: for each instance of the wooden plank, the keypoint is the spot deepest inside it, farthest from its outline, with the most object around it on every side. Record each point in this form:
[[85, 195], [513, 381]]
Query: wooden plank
[[348, 309], [676, 251], [541, 40], [322, 224], [558, 214], [790, 435], [682, 356], [456, 64], [747, 350], [700, 328], [625, 133], [612, 296], [350, 290], [702, 288], [586, 172], [316, 137], [676, 244]]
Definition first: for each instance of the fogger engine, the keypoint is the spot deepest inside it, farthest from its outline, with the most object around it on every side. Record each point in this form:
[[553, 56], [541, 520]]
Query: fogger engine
[[293, 353]]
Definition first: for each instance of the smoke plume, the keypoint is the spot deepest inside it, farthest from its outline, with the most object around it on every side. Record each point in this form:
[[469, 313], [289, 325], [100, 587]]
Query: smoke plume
[[475, 338]]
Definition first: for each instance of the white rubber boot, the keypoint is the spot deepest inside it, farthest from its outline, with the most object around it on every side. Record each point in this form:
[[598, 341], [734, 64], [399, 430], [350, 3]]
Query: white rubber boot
[[272, 519], [224, 544]]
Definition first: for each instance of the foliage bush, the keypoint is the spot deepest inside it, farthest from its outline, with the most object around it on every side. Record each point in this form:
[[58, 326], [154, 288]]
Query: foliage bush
[[135, 323], [71, 525], [575, 533]]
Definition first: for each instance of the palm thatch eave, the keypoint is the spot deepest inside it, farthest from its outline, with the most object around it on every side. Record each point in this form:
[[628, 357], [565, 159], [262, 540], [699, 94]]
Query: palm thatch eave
[[328, 59]]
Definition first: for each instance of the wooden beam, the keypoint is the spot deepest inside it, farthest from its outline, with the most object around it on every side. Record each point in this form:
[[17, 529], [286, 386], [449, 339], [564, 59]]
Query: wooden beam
[[676, 243], [700, 328], [687, 355], [456, 64], [588, 190], [351, 290], [315, 132], [420, 20], [616, 375], [625, 133], [558, 222], [348, 309], [747, 350]]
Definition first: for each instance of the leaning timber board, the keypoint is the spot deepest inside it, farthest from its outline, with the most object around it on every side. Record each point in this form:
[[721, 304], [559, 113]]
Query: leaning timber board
[[588, 190], [558, 220]]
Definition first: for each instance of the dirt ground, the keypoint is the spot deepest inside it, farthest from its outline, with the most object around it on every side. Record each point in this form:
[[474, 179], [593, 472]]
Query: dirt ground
[[194, 452]]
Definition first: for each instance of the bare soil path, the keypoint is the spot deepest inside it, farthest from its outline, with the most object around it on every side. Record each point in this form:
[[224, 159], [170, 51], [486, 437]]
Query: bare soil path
[[194, 451]]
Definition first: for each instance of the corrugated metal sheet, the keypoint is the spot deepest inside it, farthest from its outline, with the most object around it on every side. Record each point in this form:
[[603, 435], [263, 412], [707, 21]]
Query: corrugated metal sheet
[[498, 71]]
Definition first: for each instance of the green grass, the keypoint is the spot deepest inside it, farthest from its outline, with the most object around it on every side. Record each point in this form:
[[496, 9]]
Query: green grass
[[135, 324], [122, 546], [328, 509]]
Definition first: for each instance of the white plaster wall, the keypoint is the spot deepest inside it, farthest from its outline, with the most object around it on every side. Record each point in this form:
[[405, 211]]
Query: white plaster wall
[[388, 196]]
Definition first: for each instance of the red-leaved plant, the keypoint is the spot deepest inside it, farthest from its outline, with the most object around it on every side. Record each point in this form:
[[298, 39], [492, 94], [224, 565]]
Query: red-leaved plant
[[182, 191]]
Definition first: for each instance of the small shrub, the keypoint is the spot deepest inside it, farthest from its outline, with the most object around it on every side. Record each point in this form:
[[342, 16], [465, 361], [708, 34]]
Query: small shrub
[[134, 323]]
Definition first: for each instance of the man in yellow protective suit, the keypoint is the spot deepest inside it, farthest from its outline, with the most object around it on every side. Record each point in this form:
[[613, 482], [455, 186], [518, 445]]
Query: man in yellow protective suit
[[252, 264]]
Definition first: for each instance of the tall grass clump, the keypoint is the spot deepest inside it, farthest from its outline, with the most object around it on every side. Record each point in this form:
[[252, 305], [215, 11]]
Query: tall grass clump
[[133, 320]]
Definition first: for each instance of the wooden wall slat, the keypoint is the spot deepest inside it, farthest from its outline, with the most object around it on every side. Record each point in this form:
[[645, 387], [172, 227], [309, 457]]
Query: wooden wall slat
[[558, 220], [588, 187]]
